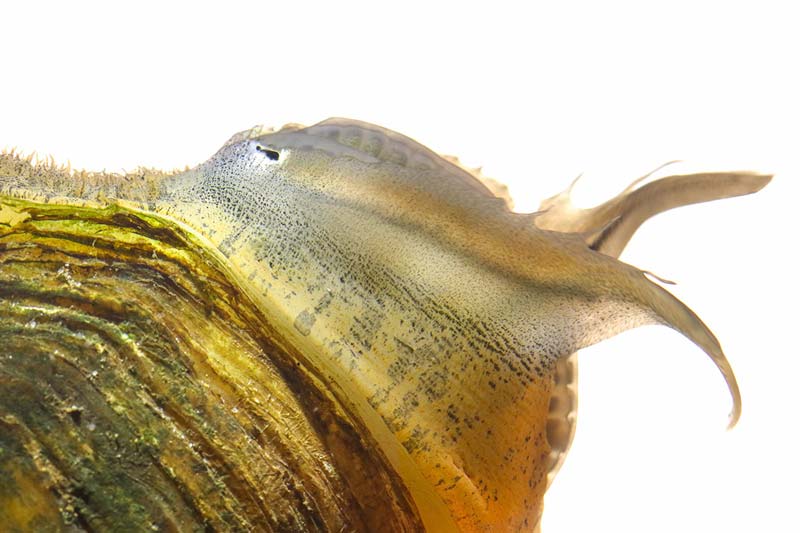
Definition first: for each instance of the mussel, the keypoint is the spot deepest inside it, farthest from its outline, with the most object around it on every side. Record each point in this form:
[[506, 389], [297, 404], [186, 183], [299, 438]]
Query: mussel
[[325, 328]]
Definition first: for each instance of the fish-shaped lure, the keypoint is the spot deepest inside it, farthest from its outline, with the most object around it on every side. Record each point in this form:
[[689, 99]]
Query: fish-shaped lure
[[446, 321]]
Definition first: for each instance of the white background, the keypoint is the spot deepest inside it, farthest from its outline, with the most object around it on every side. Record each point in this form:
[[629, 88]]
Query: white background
[[536, 95]]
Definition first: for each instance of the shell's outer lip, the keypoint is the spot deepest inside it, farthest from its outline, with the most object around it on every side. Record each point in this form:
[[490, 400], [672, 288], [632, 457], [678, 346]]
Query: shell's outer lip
[[433, 511]]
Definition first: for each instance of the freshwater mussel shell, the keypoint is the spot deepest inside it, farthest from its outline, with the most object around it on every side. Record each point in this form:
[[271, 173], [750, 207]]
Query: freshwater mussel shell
[[142, 390]]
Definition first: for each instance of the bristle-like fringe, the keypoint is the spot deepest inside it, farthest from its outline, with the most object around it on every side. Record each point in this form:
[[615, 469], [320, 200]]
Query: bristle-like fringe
[[33, 176]]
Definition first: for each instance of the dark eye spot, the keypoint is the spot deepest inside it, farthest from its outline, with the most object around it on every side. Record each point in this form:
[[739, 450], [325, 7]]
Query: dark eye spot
[[270, 153]]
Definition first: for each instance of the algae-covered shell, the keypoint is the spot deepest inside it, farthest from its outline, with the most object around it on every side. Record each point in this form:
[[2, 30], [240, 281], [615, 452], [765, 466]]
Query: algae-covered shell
[[323, 328], [142, 390]]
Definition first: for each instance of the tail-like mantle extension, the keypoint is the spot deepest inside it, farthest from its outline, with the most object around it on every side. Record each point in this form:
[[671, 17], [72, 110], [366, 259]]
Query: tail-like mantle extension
[[608, 228]]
